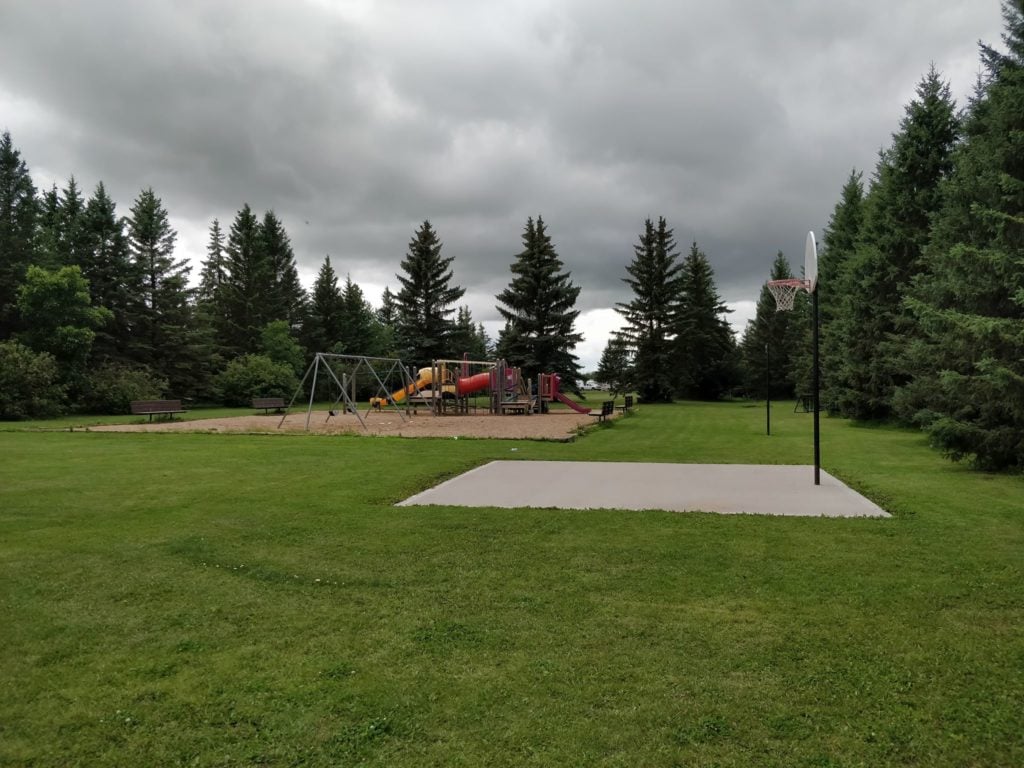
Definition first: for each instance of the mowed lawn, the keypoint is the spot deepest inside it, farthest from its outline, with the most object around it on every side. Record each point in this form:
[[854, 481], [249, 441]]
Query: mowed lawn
[[224, 600]]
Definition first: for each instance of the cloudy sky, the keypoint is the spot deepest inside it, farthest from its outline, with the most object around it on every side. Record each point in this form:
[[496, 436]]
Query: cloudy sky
[[355, 120]]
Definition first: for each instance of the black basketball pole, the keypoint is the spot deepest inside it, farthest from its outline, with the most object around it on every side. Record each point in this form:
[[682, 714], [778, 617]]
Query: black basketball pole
[[817, 385], [767, 388]]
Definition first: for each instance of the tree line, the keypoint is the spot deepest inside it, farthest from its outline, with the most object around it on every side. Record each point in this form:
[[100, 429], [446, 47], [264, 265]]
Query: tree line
[[96, 309], [921, 276]]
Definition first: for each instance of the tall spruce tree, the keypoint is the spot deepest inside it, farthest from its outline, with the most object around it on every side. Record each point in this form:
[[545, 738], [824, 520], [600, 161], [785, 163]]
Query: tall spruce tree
[[838, 247], [243, 296], [361, 332], [655, 279], [214, 271], [18, 211], [210, 317], [388, 311], [426, 300], [767, 348], [48, 247], [74, 238], [163, 331], [705, 345], [286, 299], [111, 276], [968, 301], [324, 328], [539, 310], [895, 229]]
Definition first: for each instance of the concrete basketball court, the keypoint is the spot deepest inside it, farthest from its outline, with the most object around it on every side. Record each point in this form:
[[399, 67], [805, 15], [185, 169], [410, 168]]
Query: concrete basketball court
[[753, 489]]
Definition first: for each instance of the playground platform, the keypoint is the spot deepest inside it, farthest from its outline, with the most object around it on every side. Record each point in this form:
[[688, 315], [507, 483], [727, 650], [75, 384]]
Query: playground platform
[[754, 489]]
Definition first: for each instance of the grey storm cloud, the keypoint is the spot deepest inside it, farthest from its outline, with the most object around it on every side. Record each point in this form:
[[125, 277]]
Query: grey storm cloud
[[737, 121]]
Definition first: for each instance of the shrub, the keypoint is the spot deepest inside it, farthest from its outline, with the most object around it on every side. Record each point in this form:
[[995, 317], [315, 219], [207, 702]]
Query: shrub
[[29, 383], [112, 387], [252, 376]]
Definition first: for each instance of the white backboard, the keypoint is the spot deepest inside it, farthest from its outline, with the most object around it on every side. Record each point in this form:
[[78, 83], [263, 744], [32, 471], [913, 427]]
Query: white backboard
[[811, 261]]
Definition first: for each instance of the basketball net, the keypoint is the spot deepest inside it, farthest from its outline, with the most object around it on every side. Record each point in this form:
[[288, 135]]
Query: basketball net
[[784, 292]]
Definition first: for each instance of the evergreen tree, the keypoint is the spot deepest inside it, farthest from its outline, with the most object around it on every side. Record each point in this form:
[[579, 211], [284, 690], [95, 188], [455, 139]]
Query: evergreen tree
[[214, 272], [388, 312], [615, 369], [18, 210], [895, 229], [285, 298], [767, 348], [968, 301], [485, 341], [426, 299], [324, 327], [105, 265], [48, 234], [705, 346], [387, 319], [210, 317], [539, 310], [163, 332], [469, 338], [839, 244], [73, 235], [360, 329], [650, 316], [243, 296]]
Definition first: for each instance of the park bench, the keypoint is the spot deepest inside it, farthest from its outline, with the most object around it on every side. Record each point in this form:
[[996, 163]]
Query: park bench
[[607, 409], [153, 408], [627, 404], [266, 403]]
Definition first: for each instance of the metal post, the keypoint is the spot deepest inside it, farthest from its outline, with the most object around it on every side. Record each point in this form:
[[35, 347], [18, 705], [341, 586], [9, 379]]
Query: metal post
[[767, 388], [817, 386], [312, 389]]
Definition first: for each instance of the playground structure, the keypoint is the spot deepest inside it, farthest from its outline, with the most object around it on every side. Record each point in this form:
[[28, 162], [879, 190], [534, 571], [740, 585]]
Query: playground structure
[[460, 387], [455, 386]]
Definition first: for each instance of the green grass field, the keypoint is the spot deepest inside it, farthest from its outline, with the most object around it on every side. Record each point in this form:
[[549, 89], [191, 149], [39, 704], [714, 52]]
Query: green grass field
[[225, 600]]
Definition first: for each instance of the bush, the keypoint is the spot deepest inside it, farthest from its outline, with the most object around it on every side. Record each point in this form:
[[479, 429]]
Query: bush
[[29, 383], [112, 387], [252, 376]]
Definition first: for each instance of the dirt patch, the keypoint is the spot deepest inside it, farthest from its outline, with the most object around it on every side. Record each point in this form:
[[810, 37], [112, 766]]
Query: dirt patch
[[549, 426]]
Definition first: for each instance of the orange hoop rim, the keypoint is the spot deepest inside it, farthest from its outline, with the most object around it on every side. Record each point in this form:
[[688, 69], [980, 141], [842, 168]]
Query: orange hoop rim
[[784, 292]]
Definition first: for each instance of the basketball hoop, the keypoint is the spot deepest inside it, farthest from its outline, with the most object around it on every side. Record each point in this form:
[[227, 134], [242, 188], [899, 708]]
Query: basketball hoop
[[784, 292]]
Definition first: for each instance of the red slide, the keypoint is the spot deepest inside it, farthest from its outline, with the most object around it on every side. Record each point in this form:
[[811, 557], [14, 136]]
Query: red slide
[[471, 384], [575, 406]]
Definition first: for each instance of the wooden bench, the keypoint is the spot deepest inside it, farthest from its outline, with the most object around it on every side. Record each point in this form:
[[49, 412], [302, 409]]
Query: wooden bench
[[266, 403], [607, 409], [153, 408], [627, 404]]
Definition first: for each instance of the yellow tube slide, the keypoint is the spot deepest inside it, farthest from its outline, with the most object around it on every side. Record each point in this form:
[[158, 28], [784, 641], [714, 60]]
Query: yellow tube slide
[[424, 381]]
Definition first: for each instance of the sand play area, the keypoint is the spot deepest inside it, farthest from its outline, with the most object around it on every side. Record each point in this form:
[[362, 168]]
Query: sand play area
[[549, 426]]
